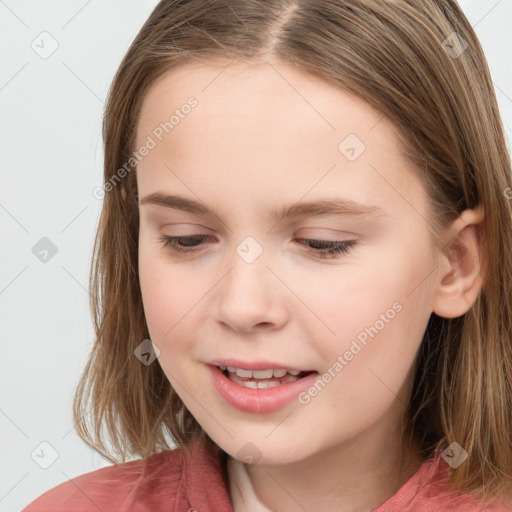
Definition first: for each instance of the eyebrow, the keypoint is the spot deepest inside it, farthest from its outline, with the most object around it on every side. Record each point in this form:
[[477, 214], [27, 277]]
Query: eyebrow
[[336, 206]]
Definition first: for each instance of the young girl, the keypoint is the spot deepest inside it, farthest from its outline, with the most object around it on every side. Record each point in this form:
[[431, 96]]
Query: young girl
[[303, 267]]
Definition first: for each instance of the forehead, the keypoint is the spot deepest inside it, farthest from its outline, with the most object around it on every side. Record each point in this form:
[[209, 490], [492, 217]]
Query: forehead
[[274, 93], [269, 125]]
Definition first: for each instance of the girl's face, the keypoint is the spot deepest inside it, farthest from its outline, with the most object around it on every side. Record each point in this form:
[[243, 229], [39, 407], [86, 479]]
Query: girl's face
[[236, 147]]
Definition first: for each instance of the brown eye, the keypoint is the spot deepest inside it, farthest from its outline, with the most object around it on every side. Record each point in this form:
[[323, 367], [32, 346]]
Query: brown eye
[[328, 248], [180, 243]]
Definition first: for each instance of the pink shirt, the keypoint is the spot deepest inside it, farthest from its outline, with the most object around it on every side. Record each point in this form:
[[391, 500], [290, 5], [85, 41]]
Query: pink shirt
[[172, 482]]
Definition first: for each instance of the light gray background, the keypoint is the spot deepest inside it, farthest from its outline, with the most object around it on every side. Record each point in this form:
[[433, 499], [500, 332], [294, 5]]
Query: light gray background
[[51, 160]]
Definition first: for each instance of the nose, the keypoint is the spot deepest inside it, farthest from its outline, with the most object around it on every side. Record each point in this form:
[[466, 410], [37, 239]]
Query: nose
[[251, 297]]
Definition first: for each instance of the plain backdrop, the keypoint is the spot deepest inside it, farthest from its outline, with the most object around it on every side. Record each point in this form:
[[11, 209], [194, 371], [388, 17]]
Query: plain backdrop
[[50, 161]]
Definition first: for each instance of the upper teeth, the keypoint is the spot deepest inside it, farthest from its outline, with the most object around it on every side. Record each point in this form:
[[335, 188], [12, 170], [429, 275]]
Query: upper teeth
[[259, 374]]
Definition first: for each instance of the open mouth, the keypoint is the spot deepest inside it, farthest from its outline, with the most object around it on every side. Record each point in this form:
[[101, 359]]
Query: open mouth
[[262, 379]]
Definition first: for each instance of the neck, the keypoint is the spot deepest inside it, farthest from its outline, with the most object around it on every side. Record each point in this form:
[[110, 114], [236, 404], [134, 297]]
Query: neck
[[356, 476]]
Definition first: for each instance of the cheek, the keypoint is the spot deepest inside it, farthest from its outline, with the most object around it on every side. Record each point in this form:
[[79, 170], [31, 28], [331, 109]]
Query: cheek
[[379, 328], [175, 300], [384, 298], [164, 295], [351, 298], [165, 302]]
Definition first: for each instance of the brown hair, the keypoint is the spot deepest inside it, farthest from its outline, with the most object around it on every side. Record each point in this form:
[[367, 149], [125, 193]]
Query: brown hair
[[393, 54]]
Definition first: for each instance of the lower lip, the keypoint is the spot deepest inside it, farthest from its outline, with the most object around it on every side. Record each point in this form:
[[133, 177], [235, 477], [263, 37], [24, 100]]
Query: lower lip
[[259, 400]]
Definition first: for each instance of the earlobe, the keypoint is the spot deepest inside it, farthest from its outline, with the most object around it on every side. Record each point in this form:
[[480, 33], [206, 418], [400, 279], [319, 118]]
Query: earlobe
[[460, 266]]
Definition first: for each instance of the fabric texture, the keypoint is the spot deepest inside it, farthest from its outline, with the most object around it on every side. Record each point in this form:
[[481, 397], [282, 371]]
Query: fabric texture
[[204, 480]]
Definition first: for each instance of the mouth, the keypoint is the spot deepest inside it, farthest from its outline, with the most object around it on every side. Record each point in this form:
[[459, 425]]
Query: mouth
[[262, 379], [259, 387]]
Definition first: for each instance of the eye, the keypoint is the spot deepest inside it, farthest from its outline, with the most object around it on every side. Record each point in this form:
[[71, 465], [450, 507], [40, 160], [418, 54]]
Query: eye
[[321, 248], [328, 248], [183, 241]]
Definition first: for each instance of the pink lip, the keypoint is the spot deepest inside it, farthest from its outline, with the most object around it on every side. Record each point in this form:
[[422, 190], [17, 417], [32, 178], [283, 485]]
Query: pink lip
[[258, 400], [254, 365]]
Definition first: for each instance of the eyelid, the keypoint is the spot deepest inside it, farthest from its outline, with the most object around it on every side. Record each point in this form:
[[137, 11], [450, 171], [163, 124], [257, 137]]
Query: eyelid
[[334, 249], [187, 227], [296, 232], [329, 232]]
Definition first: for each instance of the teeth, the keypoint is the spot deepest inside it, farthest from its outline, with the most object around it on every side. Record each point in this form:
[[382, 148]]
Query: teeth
[[259, 374], [262, 374], [262, 384], [268, 384], [288, 378], [244, 373], [251, 384]]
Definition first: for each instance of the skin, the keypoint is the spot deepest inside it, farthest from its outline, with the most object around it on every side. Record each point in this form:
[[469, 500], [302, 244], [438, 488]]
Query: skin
[[264, 134]]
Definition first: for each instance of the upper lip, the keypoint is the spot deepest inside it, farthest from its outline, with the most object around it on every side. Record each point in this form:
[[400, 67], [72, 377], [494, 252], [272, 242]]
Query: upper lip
[[256, 365]]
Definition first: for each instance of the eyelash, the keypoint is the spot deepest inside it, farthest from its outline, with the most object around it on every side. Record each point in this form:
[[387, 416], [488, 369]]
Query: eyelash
[[335, 247]]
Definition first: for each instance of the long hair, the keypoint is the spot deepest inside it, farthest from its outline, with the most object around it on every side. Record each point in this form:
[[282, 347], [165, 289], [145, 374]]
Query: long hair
[[420, 64]]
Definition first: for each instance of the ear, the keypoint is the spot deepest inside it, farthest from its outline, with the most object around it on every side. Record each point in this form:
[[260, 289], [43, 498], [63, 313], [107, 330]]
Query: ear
[[460, 264]]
